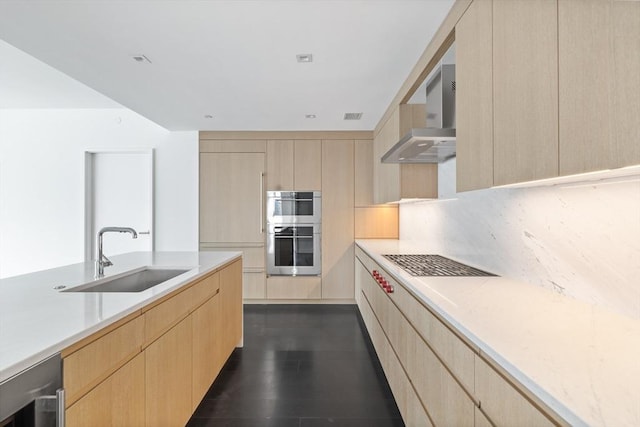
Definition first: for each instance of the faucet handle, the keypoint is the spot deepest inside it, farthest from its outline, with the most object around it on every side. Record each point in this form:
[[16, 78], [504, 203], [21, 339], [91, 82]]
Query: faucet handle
[[106, 262]]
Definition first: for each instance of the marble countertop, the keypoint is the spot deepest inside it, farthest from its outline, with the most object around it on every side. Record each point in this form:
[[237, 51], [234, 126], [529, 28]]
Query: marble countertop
[[37, 321], [580, 359]]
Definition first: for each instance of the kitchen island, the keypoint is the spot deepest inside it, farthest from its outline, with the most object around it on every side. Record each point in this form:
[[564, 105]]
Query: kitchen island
[[571, 362], [102, 333]]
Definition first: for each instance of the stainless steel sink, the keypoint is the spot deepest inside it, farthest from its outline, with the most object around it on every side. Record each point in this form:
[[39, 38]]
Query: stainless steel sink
[[133, 281]]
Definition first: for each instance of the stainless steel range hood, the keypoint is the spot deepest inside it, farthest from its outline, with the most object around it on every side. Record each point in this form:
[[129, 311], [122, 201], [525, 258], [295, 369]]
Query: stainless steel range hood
[[437, 142]]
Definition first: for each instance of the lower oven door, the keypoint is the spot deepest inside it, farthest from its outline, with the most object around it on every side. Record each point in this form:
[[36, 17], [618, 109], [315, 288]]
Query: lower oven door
[[294, 250]]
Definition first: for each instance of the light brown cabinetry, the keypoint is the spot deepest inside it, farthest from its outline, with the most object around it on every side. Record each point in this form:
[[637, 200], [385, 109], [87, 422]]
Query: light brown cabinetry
[[117, 401], [392, 182], [525, 90], [548, 87], [231, 197], [294, 165], [474, 97], [337, 219], [280, 165], [168, 377], [307, 171], [154, 366], [598, 80], [233, 182], [207, 360], [502, 403], [436, 375]]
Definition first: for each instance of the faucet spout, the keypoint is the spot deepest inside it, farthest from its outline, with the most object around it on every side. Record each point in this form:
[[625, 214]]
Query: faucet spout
[[101, 259]]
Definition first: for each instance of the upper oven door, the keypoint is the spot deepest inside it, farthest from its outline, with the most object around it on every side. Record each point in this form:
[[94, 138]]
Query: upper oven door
[[291, 207]]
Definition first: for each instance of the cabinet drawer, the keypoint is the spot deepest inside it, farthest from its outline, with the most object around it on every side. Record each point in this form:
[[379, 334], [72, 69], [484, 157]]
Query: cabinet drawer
[[85, 368], [502, 403], [282, 287], [163, 316], [453, 352], [205, 289]]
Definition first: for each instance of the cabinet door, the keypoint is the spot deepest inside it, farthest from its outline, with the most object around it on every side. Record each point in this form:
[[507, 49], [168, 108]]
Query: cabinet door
[[337, 220], [280, 165], [363, 172], [307, 165], [232, 197], [206, 364], [525, 90], [230, 309], [585, 89], [626, 78], [117, 401], [168, 377], [474, 93], [502, 403]]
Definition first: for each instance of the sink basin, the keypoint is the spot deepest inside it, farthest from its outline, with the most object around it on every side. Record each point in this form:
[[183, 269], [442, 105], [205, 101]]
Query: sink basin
[[133, 281]]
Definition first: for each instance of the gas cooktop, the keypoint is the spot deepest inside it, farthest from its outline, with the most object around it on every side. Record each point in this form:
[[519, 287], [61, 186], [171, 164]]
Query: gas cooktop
[[434, 265]]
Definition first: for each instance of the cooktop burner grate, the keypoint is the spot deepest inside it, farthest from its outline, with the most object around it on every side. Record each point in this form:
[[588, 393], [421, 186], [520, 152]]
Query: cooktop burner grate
[[434, 265]]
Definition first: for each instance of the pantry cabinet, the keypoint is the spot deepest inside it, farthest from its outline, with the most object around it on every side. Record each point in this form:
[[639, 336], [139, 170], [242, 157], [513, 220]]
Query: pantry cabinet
[[233, 181], [337, 219]]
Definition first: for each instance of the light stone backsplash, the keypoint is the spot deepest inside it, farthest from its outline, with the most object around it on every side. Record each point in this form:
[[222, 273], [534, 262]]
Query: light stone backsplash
[[581, 240]]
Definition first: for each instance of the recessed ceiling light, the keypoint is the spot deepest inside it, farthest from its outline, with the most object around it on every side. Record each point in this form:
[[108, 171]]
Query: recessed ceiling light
[[304, 57], [422, 144], [208, 116], [309, 116], [141, 58], [352, 116]]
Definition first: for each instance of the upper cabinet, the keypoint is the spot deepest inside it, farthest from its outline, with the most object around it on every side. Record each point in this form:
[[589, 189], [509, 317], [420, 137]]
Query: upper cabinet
[[525, 90], [294, 165], [599, 82], [474, 92], [546, 88], [392, 182], [231, 196]]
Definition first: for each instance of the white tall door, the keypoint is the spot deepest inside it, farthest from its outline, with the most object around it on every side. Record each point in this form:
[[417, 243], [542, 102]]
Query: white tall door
[[120, 194]]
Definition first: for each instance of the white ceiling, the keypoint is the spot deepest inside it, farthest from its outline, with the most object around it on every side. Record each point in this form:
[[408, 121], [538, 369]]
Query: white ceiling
[[234, 60]]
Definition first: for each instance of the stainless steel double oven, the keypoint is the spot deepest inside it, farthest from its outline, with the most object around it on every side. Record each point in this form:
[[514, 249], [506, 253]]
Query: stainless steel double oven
[[294, 221]]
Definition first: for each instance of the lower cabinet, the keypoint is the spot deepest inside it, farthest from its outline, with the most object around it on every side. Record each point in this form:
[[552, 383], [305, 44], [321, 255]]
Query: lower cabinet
[[117, 401], [436, 377], [153, 368], [502, 403], [205, 344], [168, 377]]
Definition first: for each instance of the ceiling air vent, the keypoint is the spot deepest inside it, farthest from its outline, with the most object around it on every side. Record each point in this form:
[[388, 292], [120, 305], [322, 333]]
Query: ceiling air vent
[[352, 116]]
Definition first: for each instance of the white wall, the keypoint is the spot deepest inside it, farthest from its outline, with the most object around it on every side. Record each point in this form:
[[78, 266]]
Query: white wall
[[42, 182], [580, 240]]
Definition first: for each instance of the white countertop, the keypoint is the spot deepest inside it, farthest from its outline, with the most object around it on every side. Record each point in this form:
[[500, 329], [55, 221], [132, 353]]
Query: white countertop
[[37, 321], [581, 360]]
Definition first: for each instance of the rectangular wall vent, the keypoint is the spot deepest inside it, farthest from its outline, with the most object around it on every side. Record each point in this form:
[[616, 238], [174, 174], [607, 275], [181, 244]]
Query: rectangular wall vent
[[352, 116]]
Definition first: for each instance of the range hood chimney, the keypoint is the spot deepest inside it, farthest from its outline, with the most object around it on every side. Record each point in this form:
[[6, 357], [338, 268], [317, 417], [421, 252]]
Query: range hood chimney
[[437, 142]]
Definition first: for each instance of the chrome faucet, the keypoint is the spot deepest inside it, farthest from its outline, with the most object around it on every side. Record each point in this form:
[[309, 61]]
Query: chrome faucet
[[101, 260]]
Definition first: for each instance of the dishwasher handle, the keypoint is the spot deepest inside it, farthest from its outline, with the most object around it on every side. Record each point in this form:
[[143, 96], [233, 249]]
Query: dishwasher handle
[[49, 410]]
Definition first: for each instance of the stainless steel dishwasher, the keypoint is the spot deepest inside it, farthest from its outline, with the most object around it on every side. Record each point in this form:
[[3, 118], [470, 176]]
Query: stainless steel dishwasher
[[34, 397]]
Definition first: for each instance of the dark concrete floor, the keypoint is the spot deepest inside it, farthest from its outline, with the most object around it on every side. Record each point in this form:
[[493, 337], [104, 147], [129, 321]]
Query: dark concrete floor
[[302, 366]]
